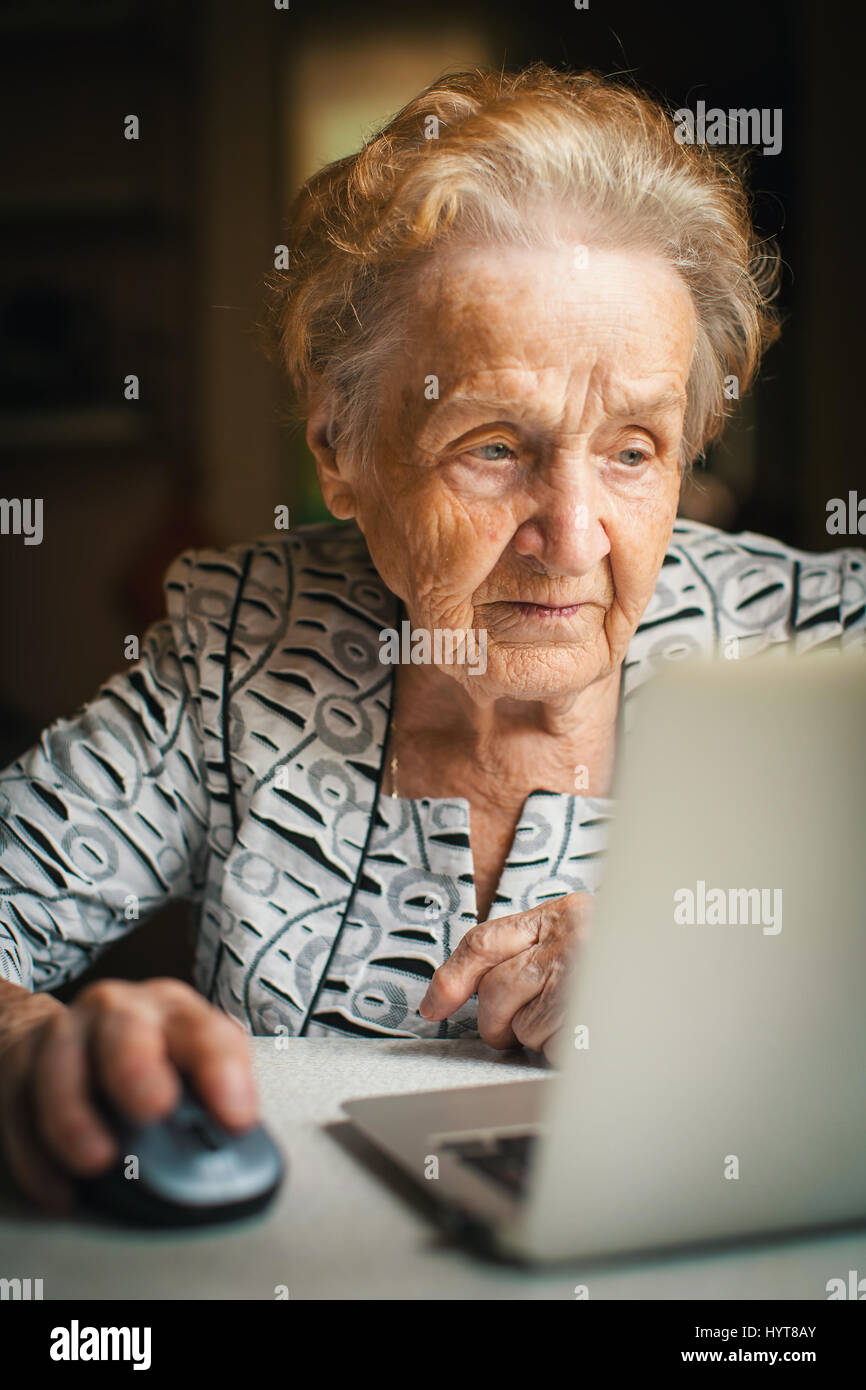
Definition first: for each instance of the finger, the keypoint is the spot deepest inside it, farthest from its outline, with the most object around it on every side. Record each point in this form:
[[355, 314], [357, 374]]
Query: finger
[[503, 992], [532, 989], [535, 1024], [66, 1119], [482, 948], [31, 1168], [131, 1059], [215, 1054]]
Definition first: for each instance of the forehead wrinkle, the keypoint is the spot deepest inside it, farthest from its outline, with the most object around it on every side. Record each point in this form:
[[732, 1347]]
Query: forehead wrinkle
[[614, 399], [501, 388], [531, 390], [664, 402]]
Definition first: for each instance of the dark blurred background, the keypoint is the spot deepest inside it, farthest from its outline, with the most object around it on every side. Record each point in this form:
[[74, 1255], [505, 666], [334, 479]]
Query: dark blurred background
[[147, 257]]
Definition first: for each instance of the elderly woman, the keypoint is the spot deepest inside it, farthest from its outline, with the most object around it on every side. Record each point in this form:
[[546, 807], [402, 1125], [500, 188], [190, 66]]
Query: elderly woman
[[509, 320]]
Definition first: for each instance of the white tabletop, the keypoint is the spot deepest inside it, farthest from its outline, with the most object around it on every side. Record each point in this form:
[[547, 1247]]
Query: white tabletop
[[342, 1227]]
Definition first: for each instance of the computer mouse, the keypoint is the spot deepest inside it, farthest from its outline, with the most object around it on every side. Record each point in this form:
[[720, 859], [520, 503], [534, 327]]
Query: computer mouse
[[188, 1170]]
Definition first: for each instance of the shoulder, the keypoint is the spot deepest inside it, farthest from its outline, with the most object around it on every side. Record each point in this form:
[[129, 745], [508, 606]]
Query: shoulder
[[262, 573], [278, 637], [761, 586], [743, 592], [266, 557], [267, 609]]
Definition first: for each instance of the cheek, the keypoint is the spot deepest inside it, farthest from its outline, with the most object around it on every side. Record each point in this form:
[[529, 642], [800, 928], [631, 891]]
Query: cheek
[[452, 547], [434, 550], [638, 544]]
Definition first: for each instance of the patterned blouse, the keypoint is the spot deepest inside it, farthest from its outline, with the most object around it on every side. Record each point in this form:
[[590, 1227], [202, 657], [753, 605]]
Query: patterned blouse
[[238, 764]]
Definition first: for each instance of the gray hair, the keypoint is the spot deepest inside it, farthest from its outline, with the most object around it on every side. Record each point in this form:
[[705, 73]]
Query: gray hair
[[474, 160]]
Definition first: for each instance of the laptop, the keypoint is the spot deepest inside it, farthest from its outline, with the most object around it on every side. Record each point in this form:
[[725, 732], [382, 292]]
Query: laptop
[[709, 1085]]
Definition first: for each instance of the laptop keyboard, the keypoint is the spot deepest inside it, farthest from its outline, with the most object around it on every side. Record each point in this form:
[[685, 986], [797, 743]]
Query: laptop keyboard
[[506, 1158]]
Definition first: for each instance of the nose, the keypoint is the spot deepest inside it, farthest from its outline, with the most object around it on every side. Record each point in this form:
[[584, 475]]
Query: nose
[[564, 531]]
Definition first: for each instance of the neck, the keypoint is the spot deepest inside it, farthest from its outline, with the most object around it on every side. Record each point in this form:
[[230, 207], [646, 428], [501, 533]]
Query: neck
[[513, 744]]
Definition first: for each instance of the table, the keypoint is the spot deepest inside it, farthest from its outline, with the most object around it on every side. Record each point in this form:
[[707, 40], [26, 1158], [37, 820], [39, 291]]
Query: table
[[347, 1226]]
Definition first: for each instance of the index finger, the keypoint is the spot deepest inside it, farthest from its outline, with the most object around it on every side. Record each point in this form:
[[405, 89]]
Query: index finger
[[482, 948], [214, 1052]]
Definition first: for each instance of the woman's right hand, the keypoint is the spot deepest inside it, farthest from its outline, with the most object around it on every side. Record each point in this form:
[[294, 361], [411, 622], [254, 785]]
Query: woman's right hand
[[129, 1040]]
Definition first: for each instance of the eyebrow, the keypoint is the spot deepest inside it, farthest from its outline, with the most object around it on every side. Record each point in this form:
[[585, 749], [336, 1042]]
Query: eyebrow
[[655, 405]]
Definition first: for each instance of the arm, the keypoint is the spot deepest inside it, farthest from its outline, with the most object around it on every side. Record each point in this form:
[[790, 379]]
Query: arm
[[106, 817], [101, 821]]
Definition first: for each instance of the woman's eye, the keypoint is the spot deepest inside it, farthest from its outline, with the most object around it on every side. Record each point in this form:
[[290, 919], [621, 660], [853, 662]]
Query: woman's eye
[[632, 458], [506, 453]]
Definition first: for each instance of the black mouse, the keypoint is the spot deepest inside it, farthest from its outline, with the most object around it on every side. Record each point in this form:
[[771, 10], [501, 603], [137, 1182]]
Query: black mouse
[[191, 1170]]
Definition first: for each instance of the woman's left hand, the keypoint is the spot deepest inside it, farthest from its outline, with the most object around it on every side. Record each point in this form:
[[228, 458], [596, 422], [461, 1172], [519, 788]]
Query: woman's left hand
[[519, 966]]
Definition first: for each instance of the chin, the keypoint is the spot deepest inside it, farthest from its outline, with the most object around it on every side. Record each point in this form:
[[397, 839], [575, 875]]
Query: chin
[[533, 673]]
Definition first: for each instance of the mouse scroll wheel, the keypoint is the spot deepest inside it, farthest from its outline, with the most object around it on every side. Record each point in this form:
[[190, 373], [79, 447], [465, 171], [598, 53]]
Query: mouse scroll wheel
[[207, 1133]]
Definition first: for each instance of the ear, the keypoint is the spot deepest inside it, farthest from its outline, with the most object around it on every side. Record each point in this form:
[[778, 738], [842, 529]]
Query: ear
[[336, 477]]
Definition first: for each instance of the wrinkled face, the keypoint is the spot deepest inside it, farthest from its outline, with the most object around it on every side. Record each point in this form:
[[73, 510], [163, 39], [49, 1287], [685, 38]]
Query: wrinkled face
[[533, 497]]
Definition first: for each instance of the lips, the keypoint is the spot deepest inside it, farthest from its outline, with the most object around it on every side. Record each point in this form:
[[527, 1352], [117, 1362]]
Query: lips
[[542, 610]]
